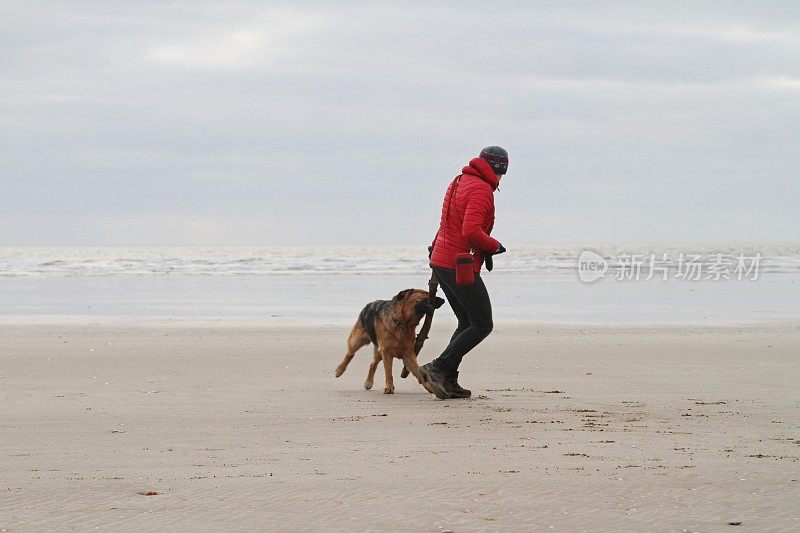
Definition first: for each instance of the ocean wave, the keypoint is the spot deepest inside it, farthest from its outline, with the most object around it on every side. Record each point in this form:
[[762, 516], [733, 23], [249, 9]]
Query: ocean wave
[[236, 261]]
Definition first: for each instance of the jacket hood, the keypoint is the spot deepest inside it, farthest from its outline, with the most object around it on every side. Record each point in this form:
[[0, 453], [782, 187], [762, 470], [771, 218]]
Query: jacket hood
[[482, 169]]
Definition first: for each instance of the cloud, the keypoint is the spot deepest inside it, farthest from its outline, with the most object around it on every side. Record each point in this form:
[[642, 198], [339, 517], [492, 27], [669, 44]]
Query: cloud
[[232, 50], [781, 83], [240, 48], [315, 119]]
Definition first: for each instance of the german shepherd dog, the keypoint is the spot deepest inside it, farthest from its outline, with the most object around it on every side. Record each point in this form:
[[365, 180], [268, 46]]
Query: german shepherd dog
[[390, 326]]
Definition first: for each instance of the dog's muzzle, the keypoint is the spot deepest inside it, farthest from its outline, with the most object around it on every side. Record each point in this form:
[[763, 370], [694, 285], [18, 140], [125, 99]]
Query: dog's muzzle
[[423, 308]]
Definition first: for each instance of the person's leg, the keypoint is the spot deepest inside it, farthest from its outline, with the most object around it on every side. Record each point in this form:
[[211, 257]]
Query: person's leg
[[474, 301], [460, 312]]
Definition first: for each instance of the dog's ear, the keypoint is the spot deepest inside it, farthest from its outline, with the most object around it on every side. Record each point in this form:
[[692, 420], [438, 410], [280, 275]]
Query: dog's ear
[[438, 302], [403, 294]]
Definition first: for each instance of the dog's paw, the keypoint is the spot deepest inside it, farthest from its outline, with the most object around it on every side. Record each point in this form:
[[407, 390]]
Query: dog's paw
[[388, 389], [368, 384], [339, 371]]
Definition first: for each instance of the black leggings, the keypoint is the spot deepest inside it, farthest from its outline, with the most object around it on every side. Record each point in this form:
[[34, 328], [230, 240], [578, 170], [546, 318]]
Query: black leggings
[[474, 312]]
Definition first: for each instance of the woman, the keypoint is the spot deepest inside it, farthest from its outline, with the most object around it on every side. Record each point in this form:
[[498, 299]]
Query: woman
[[467, 220]]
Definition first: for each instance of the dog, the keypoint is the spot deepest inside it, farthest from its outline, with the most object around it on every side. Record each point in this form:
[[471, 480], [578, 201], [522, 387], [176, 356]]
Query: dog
[[390, 326]]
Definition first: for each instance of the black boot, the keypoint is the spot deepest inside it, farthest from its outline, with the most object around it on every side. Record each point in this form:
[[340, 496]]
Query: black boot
[[456, 390], [435, 381]]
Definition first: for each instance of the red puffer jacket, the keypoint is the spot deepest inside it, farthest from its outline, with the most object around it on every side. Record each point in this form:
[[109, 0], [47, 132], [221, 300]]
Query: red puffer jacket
[[467, 217]]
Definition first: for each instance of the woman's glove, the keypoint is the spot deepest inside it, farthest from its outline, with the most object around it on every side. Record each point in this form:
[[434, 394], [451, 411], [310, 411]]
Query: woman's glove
[[487, 258]]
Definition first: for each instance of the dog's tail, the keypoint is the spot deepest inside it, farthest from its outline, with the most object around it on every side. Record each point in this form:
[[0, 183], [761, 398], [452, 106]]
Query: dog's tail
[[366, 319]]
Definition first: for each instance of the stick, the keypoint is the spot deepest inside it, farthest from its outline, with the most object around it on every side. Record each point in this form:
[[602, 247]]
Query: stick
[[433, 285]]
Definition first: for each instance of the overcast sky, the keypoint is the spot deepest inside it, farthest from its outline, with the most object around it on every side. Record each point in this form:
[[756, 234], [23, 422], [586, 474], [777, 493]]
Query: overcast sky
[[191, 122]]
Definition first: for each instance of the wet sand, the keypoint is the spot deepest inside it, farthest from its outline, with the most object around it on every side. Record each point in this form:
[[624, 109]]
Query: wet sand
[[569, 429]]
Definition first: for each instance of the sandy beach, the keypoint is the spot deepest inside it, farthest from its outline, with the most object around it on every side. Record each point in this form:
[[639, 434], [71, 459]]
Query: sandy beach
[[569, 429], [198, 200]]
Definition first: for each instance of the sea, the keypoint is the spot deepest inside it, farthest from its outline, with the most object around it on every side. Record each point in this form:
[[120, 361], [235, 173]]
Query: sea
[[569, 284]]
